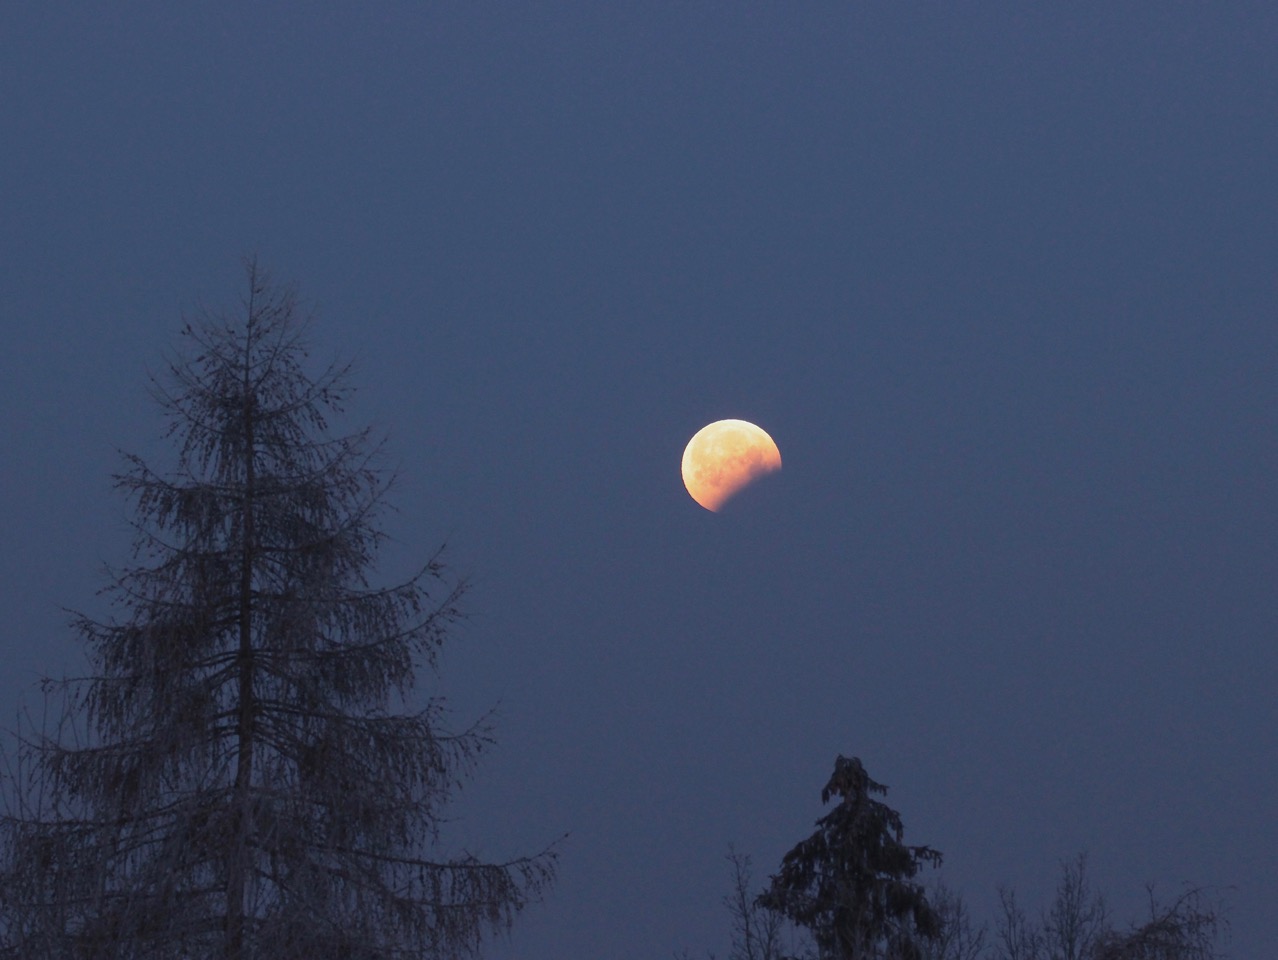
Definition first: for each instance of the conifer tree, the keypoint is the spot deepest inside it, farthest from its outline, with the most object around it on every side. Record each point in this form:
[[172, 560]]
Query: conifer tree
[[851, 882], [246, 773]]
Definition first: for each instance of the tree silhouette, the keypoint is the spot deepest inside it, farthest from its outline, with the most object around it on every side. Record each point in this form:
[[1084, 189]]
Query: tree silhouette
[[1186, 929], [959, 938], [1076, 926], [244, 773], [850, 883]]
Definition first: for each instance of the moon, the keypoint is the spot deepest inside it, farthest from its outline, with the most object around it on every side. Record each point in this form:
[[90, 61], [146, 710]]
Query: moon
[[725, 457]]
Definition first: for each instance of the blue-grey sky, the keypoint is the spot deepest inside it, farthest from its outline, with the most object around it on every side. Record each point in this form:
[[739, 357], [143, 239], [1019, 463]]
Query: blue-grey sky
[[1001, 279]]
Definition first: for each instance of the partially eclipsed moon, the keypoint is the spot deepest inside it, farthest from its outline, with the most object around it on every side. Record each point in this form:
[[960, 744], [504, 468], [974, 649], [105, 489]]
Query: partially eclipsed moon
[[724, 457]]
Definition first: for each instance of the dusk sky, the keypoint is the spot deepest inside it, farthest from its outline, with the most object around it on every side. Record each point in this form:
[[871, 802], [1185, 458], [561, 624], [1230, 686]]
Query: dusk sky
[[1000, 279]]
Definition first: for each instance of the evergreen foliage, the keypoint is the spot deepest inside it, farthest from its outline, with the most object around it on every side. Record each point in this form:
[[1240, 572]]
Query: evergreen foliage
[[851, 882]]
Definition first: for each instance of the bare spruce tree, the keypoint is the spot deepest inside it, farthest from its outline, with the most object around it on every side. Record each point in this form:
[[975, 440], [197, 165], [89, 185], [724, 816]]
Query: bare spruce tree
[[245, 773]]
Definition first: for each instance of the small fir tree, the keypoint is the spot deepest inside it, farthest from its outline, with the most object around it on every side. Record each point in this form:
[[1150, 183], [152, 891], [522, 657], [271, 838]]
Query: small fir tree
[[851, 882]]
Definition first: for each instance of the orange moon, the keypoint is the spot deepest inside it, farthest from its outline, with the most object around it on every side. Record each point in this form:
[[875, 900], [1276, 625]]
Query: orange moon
[[724, 457]]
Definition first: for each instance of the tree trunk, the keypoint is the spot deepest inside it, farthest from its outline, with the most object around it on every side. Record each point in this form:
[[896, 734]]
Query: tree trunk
[[238, 863]]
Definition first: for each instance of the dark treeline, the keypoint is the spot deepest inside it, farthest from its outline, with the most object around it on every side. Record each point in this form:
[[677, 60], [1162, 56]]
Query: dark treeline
[[852, 891]]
